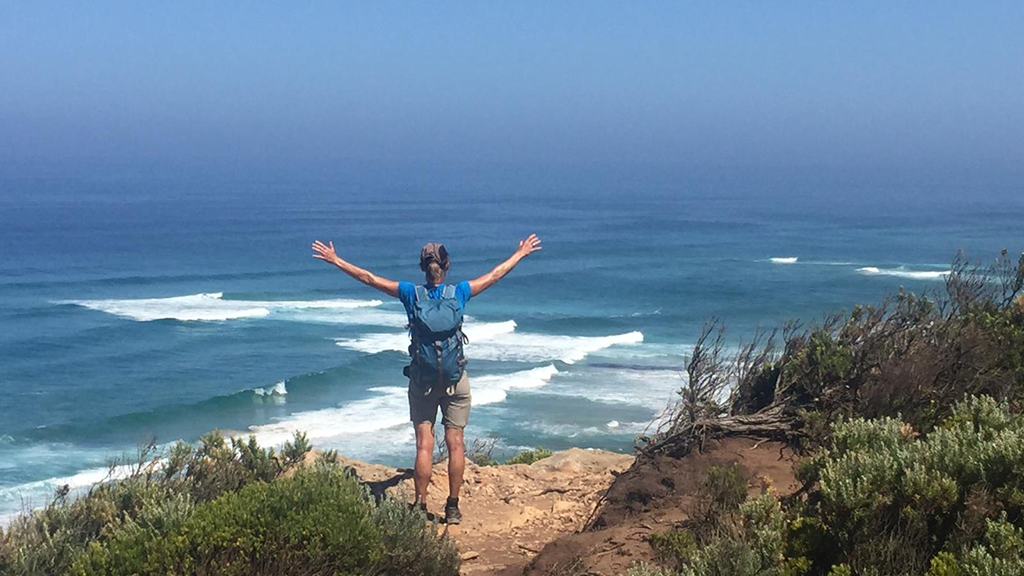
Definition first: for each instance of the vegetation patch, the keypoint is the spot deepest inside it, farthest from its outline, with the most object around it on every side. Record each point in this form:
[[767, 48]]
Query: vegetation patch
[[881, 499], [909, 415], [226, 508], [529, 456]]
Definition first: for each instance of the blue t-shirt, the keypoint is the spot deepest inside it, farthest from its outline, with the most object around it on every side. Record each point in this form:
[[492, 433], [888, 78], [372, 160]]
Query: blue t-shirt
[[407, 293]]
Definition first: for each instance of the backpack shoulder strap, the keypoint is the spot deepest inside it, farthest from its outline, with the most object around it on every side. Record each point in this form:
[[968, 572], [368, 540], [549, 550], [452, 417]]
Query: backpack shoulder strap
[[449, 292], [421, 293]]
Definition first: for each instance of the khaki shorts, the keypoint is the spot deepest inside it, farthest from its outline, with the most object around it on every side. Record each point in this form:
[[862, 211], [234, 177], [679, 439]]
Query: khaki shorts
[[454, 402]]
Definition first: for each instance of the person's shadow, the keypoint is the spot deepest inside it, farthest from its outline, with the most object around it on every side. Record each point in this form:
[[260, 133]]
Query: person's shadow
[[379, 488]]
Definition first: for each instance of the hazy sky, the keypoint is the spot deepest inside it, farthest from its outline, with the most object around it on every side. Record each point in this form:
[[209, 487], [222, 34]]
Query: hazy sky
[[834, 84]]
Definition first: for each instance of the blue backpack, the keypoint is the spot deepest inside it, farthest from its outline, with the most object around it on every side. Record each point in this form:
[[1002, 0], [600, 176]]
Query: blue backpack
[[435, 325]]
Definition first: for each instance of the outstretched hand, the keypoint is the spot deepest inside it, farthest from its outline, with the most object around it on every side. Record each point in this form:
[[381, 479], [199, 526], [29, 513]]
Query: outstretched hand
[[324, 252], [528, 246]]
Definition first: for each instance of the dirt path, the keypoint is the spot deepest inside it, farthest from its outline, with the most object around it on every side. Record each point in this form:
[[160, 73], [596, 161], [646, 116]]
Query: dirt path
[[526, 519], [511, 512]]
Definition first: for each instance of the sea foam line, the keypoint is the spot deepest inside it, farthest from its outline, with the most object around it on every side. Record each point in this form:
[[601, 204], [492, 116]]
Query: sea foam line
[[33, 494], [212, 307], [904, 273], [388, 409], [500, 341]]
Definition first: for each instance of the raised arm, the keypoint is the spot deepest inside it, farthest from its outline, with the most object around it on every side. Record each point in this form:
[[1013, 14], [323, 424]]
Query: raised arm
[[526, 247], [326, 253]]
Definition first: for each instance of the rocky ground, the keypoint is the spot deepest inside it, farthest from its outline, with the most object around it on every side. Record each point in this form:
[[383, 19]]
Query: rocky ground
[[510, 512], [578, 511]]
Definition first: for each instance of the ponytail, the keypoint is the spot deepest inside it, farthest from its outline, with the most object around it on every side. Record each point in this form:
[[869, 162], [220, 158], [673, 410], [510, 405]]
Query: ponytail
[[435, 274]]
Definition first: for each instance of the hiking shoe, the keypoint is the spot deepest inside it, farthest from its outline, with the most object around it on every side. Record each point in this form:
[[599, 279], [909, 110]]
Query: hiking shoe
[[451, 512]]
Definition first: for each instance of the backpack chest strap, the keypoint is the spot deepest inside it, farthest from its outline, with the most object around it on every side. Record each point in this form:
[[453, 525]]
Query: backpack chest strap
[[421, 293], [448, 292]]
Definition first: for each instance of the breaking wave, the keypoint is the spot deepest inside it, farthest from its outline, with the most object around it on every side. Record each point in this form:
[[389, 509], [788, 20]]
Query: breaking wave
[[904, 273], [387, 410], [213, 307], [500, 341]]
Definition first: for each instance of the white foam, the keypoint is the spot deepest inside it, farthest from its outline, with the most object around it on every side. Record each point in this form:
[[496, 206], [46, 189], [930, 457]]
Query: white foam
[[501, 342], [613, 424], [783, 259], [530, 347], [377, 342], [383, 417], [387, 409], [278, 389], [489, 330], [904, 273], [212, 307], [650, 389], [490, 389], [40, 492]]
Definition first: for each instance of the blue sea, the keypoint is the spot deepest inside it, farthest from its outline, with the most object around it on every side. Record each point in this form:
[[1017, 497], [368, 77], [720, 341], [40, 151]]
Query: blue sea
[[143, 307]]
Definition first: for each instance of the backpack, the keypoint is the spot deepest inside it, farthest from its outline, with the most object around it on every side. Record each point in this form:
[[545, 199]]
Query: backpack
[[435, 325]]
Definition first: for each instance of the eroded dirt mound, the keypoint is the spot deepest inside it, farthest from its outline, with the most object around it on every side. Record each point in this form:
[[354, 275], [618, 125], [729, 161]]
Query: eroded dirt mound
[[654, 495]]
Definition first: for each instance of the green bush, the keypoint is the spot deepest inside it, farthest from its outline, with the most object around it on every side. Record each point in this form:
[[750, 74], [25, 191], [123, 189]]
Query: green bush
[[317, 520], [750, 544], [882, 499], [924, 495], [47, 541], [224, 509], [672, 547], [410, 549], [529, 456], [293, 452], [645, 569], [722, 491]]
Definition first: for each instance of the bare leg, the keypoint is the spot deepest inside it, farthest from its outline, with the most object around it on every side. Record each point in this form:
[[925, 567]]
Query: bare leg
[[424, 459], [456, 460]]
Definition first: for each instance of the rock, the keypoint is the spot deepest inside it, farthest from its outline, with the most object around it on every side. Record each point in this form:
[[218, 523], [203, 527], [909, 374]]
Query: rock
[[525, 516], [562, 506], [469, 555], [577, 460]]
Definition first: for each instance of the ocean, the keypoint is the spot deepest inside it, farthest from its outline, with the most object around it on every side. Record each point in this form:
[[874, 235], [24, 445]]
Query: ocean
[[140, 308]]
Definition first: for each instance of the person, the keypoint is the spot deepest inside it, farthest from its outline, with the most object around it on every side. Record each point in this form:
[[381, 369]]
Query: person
[[437, 375]]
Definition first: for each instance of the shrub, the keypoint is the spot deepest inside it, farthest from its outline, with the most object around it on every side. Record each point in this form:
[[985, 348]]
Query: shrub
[[912, 356], [224, 509], [751, 545], [672, 547], [218, 466], [644, 569], [529, 456], [722, 492], [293, 452], [47, 541], [317, 520], [882, 499], [411, 548]]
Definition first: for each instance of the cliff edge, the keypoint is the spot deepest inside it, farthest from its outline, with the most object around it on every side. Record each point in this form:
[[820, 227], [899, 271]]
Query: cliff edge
[[510, 512]]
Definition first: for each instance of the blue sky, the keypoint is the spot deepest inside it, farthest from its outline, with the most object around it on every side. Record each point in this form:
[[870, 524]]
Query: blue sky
[[795, 84]]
